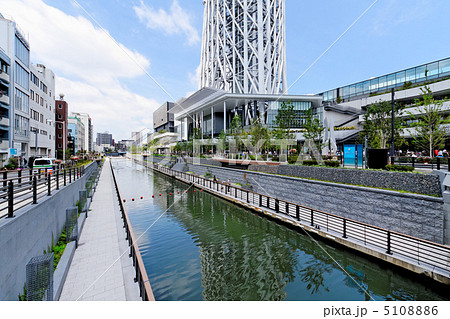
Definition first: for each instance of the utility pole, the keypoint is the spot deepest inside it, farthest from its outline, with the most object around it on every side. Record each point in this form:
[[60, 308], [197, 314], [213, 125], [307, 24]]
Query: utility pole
[[392, 123]]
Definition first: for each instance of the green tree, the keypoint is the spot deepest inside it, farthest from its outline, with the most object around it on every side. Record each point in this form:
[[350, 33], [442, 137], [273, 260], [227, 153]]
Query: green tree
[[237, 131], [430, 131], [378, 127], [314, 130], [260, 136], [285, 120], [222, 142]]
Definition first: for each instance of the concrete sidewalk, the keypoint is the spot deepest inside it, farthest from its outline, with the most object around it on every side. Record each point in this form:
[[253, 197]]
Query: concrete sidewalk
[[101, 268]]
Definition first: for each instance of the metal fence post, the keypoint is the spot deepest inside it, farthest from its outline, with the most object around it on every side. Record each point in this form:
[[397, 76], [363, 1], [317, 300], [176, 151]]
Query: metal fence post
[[34, 190], [65, 183], [70, 175], [297, 212], [57, 179], [10, 199], [5, 177], [49, 185], [19, 175], [345, 229], [312, 217], [438, 163], [413, 161], [277, 205], [389, 243]]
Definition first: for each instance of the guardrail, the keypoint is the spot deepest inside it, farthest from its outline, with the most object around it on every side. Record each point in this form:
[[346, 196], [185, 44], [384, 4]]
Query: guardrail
[[416, 250], [420, 162], [26, 189], [141, 277]]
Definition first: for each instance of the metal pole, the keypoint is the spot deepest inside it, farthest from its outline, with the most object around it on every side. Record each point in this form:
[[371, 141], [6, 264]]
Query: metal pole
[[392, 121], [34, 190], [10, 199], [49, 185]]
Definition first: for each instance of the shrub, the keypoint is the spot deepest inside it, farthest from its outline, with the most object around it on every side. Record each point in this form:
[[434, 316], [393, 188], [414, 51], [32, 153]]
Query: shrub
[[333, 163], [399, 168], [292, 159], [309, 162]]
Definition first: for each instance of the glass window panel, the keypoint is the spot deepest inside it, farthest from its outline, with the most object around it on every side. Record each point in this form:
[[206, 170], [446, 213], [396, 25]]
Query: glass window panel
[[373, 85], [366, 87], [359, 88], [444, 67], [420, 73], [391, 80], [352, 90], [411, 75], [400, 77], [382, 83], [433, 70], [345, 92]]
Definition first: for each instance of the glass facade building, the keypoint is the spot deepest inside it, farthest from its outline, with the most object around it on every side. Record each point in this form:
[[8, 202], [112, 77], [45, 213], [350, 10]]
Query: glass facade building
[[427, 72]]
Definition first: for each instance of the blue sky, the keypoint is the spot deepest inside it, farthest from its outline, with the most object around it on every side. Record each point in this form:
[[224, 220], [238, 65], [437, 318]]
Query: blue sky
[[164, 37]]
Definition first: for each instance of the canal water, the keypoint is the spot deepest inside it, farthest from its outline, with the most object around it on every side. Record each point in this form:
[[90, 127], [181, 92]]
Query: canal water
[[196, 246]]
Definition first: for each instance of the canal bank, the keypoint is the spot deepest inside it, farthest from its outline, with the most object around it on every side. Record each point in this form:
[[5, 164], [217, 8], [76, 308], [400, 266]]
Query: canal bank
[[101, 268], [421, 257], [198, 246]]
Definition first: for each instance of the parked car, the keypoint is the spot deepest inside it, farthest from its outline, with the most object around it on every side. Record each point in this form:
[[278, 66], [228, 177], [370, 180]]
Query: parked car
[[44, 163]]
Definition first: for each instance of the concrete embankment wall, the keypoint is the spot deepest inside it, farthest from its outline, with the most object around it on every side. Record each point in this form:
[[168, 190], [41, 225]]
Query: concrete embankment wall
[[416, 215], [31, 231]]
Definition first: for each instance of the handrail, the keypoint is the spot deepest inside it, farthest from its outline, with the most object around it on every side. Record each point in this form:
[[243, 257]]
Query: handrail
[[420, 250], [141, 278], [24, 190]]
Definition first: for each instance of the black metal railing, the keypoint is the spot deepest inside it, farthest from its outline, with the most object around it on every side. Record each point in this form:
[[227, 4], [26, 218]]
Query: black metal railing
[[437, 163], [25, 188], [141, 277], [417, 250]]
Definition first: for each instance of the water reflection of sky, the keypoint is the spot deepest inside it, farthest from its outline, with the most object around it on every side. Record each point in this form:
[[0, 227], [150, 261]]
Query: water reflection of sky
[[204, 248]]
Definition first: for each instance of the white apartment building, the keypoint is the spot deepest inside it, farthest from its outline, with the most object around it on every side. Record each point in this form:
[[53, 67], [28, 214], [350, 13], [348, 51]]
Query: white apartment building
[[42, 111], [15, 46]]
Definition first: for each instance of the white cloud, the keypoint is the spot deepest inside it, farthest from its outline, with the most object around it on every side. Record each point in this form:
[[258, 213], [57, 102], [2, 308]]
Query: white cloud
[[177, 21], [194, 78], [88, 65]]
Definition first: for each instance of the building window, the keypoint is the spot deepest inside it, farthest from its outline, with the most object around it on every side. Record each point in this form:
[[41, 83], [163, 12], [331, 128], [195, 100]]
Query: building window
[[59, 145], [21, 101], [22, 52], [60, 106], [22, 76], [60, 126], [59, 135], [59, 117]]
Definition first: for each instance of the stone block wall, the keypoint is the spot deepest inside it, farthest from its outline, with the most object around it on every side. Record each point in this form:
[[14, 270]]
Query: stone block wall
[[416, 215], [425, 184]]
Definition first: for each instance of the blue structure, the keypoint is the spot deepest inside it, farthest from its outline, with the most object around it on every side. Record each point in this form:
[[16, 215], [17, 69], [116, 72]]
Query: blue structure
[[353, 153]]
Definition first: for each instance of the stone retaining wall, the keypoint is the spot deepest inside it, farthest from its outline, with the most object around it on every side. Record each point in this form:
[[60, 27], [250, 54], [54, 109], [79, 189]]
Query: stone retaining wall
[[416, 215], [411, 182]]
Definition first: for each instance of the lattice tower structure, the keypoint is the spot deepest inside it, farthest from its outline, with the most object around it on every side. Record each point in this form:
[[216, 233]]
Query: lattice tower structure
[[244, 46]]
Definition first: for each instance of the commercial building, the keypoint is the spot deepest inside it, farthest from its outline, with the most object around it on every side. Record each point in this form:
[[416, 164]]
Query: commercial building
[[104, 142], [244, 46], [15, 46], [61, 126], [212, 110], [5, 89], [163, 118], [77, 131], [42, 111], [88, 127], [344, 106]]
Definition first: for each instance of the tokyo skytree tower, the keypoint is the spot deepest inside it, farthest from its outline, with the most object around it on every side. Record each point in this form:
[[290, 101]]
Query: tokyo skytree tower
[[244, 46]]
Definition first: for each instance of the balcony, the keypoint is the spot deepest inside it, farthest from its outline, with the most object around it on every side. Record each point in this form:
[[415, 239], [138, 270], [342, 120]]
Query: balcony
[[4, 76], [4, 121], [4, 99]]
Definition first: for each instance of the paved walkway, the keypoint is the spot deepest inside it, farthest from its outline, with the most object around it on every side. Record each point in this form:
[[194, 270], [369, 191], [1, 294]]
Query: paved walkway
[[97, 271]]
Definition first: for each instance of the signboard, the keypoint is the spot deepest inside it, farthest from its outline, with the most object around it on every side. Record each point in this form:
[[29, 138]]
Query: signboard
[[352, 153], [13, 151]]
